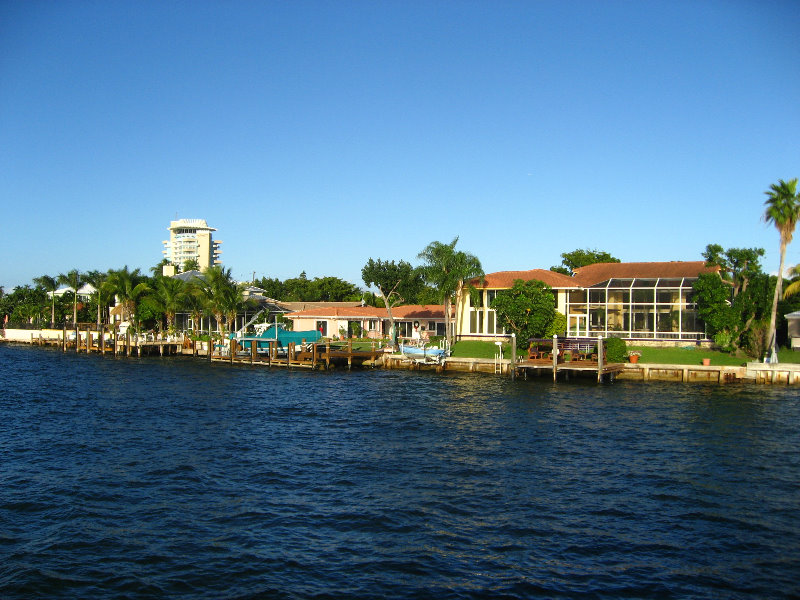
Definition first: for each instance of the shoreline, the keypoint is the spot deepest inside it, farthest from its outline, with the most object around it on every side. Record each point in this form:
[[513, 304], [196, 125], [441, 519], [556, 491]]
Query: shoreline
[[753, 372]]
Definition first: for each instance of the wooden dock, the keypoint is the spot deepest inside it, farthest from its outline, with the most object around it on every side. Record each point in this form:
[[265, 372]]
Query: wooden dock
[[317, 355], [581, 368]]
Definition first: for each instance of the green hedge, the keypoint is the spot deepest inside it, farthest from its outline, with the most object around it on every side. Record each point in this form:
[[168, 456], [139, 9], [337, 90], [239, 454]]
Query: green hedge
[[616, 350]]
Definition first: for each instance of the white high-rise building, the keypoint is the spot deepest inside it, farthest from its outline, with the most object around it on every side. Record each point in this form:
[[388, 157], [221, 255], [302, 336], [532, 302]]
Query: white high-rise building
[[191, 239]]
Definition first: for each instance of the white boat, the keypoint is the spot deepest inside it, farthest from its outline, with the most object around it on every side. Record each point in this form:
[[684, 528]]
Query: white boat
[[423, 353]]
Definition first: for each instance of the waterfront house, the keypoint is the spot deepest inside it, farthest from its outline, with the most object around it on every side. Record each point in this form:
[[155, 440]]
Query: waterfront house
[[793, 327], [635, 301], [412, 321]]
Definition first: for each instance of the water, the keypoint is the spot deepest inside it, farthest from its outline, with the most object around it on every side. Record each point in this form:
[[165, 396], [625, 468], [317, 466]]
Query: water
[[128, 478]]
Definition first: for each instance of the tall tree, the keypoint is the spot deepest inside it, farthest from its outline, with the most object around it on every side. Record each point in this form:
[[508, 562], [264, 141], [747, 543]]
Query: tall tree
[[395, 281], [74, 280], [783, 211], [167, 297], [528, 309], [580, 258], [99, 281], [219, 290], [732, 301], [794, 287], [449, 270], [736, 266], [129, 287], [50, 284]]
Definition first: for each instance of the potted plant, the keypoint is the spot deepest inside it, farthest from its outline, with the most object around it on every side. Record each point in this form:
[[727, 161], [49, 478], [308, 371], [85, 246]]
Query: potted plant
[[633, 356]]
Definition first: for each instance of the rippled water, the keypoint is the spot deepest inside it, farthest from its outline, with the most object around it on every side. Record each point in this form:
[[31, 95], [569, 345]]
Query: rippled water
[[168, 477]]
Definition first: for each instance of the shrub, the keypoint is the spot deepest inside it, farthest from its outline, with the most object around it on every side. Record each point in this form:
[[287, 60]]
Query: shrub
[[557, 327], [616, 350]]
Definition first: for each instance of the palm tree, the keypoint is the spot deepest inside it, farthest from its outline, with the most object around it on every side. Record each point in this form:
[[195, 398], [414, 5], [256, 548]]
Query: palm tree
[[99, 281], [218, 290], [447, 269], [783, 211], [50, 284], [168, 296], [74, 280], [129, 287], [793, 287]]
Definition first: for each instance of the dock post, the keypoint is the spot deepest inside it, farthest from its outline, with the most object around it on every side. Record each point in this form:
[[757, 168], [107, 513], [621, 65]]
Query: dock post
[[599, 359], [327, 355], [253, 349], [513, 356], [349, 353], [88, 340], [77, 340], [64, 338], [232, 348], [555, 357], [127, 342], [102, 340], [313, 356], [115, 339]]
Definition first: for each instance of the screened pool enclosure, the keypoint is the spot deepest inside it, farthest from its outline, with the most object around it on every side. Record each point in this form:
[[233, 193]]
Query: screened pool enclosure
[[635, 308]]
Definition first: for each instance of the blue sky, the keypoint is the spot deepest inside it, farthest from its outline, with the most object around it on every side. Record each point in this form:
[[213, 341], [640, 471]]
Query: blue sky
[[315, 135]]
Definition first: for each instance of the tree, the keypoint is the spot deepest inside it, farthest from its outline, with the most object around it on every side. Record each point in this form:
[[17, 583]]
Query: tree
[[50, 285], [99, 281], [167, 297], [580, 258], [394, 281], [447, 270], [129, 287], [527, 309], [220, 293], [74, 280], [736, 266], [333, 289], [733, 301], [191, 264], [794, 287], [783, 211], [273, 287]]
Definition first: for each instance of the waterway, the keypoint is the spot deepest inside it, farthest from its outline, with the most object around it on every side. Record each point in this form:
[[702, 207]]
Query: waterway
[[139, 478]]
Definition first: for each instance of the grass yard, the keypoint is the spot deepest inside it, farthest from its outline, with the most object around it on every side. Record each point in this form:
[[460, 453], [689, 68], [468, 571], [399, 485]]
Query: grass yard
[[694, 356], [690, 355], [478, 349]]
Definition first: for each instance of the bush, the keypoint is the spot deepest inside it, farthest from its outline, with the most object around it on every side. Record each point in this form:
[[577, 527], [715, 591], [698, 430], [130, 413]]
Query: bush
[[557, 327], [616, 350]]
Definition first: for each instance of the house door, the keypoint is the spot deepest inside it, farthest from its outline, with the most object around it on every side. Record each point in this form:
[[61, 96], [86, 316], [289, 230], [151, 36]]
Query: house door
[[322, 327], [577, 326]]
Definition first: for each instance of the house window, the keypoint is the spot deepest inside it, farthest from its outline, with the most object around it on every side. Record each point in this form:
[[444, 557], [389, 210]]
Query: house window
[[476, 320]]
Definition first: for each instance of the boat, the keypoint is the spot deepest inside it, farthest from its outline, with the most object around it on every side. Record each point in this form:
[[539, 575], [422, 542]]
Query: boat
[[284, 337], [423, 353]]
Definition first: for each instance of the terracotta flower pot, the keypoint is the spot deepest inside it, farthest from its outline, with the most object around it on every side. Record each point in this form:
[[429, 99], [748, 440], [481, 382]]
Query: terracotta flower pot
[[633, 359], [706, 362]]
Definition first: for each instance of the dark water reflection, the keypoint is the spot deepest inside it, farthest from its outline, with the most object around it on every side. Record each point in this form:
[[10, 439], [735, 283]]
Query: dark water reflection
[[152, 478]]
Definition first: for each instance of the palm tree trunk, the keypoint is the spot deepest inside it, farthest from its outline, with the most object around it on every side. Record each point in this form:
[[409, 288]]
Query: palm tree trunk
[[771, 346]]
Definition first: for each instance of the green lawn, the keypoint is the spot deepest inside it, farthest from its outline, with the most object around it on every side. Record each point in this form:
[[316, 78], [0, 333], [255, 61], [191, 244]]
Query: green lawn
[[664, 356], [694, 356], [478, 349]]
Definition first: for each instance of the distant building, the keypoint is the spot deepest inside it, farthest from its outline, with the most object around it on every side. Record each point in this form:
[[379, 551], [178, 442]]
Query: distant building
[[192, 239]]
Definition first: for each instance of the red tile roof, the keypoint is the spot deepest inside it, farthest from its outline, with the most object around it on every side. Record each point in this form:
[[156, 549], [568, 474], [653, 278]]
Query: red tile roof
[[505, 279], [598, 272], [411, 311]]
